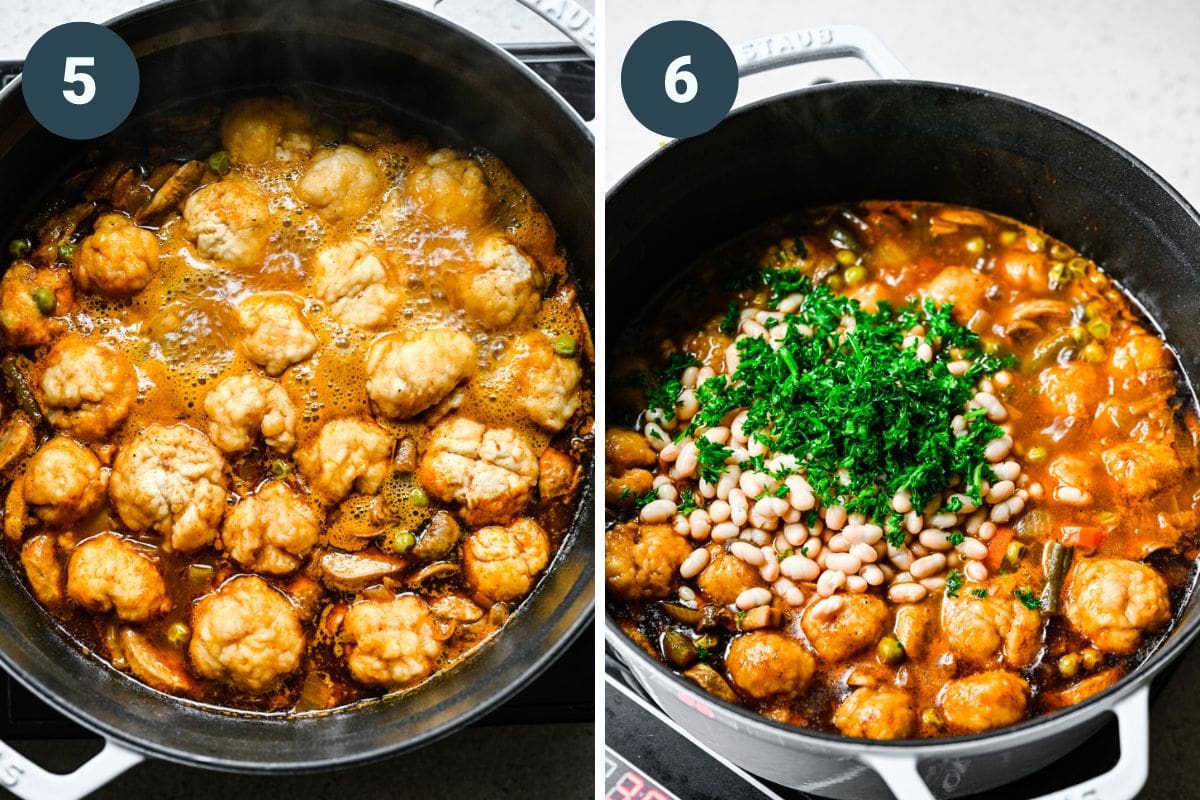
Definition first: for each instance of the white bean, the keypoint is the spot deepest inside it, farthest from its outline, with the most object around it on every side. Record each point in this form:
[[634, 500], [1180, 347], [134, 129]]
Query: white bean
[[857, 584], [728, 481], [852, 533], [756, 536], [1000, 492], [656, 436], [694, 564], [900, 556], [685, 464], [902, 502], [872, 534], [658, 511], [800, 494], [958, 367], [1000, 514], [687, 405], [682, 526], [996, 411], [965, 504], [998, 449], [780, 505], [666, 491], [838, 544], [732, 359], [717, 435], [972, 549], [835, 517], [986, 531], [925, 352], [830, 581], [864, 552], [933, 584], [790, 303], [737, 429], [907, 592], [762, 514], [795, 533], [914, 523], [826, 609], [770, 568], [1007, 470], [725, 531], [976, 571], [1036, 490], [751, 483], [843, 562], [873, 575], [812, 548], [935, 539], [753, 598], [700, 524], [704, 374], [739, 509], [927, 565], [944, 519], [800, 568], [686, 594], [719, 511], [707, 490], [975, 520]]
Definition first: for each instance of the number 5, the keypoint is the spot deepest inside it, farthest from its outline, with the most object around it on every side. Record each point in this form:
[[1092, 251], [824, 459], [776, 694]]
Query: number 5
[[676, 74], [87, 90]]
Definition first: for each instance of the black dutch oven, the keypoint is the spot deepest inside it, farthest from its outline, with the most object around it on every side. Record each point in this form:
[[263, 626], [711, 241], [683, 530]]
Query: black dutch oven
[[909, 140], [418, 68]]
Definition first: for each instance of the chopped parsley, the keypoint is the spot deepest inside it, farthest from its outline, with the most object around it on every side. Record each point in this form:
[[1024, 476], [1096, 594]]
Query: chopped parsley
[[954, 582], [665, 393], [739, 616], [703, 653], [729, 322], [687, 502], [819, 397], [711, 458], [641, 501], [955, 538], [1029, 599], [980, 593]]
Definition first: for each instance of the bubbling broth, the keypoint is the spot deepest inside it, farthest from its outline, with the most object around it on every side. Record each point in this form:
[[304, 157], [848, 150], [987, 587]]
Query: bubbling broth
[[899, 470], [296, 403]]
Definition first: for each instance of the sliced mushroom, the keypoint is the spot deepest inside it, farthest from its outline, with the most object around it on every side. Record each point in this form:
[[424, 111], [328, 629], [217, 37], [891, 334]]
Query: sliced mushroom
[[42, 568], [163, 669], [440, 537], [15, 511], [104, 178], [351, 572], [434, 572], [130, 192], [307, 594], [711, 681], [178, 186], [1041, 311], [58, 229], [456, 607], [407, 457], [16, 440], [557, 474]]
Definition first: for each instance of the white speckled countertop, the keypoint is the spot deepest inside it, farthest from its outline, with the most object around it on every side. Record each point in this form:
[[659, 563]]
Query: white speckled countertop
[[1131, 71]]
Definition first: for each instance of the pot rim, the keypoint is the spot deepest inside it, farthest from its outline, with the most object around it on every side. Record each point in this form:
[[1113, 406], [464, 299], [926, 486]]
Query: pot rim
[[576, 533], [1172, 647]]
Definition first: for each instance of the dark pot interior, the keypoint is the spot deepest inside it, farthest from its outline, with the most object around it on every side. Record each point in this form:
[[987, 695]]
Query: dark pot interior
[[456, 88]]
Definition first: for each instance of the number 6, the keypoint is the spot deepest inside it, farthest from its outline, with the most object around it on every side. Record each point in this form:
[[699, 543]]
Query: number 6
[[676, 74], [87, 90]]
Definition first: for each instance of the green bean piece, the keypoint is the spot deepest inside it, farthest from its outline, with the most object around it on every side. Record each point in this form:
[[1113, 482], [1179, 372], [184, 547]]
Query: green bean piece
[[889, 651], [219, 162], [418, 497], [1046, 351], [855, 275], [679, 649], [280, 468], [178, 633], [1012, 556], [1093, 353], [398, 541], [20, 248], [45, 300], [1055, 563], [1068, 665], [19, 387], [566, 346], [66, 251], [846, 257]]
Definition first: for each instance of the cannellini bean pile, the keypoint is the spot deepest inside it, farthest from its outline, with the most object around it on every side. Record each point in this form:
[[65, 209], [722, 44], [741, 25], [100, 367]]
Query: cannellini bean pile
[[768, 529]]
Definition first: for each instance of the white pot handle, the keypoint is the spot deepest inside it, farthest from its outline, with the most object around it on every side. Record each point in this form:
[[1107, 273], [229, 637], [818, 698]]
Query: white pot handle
[[1122, 782], [28, 781], [818, 44]]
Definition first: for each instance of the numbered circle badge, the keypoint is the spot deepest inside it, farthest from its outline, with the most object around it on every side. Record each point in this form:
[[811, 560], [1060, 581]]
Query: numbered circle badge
[[679, 79], [80, 80]]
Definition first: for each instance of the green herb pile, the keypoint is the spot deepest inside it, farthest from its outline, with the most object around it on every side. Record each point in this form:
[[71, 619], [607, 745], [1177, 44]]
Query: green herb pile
[[853, 400]]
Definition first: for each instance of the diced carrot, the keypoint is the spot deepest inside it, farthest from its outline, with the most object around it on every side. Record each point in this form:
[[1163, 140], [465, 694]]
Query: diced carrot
[[997, 547], [1081, 535]]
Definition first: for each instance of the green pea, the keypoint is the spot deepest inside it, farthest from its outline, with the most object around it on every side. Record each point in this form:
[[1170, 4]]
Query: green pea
[[975, 245], [846, 257], [834, 282], [1099, 329], [1060, 252], [219, 162], [45, 300], [66, 251], [418, 497], [855, 275], [398, 541], [1068, 665], [566, 346], [178, 633], [931, 718], [280, 468], [889, 651], [19, 248], [1009, 238], [1036, 455], [1091, 658]]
